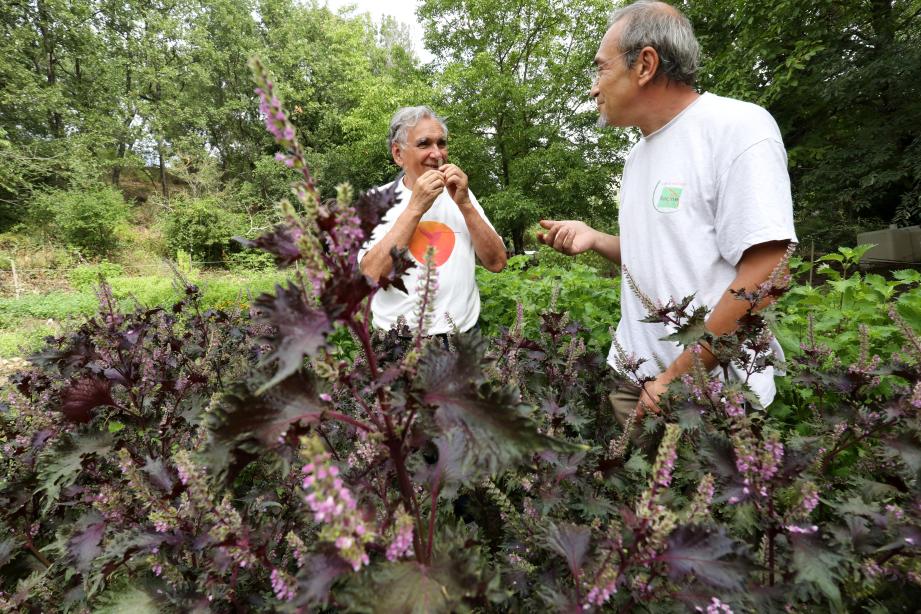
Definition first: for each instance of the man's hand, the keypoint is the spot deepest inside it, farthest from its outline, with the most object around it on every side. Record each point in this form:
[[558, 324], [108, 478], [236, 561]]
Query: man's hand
[[425, 190], [570, 237], [649, 396], [456, 182]]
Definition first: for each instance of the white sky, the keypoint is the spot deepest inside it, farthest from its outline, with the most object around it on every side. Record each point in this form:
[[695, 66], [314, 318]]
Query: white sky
[[402, 10]]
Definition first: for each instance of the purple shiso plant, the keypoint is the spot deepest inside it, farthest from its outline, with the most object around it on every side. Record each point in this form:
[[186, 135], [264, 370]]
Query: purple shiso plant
[[292, 458]]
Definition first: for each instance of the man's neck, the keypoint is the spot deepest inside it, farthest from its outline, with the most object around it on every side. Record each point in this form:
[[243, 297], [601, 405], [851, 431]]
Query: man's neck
[[407, 182], [663, 103]]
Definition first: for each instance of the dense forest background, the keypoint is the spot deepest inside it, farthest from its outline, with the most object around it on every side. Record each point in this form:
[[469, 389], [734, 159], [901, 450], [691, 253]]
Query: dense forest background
[[130, 130]]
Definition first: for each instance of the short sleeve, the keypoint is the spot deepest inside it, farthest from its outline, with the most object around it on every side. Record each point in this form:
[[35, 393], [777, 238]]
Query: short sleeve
[[754, 204]]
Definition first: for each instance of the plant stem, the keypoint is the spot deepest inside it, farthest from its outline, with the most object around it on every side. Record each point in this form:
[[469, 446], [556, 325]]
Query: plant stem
[[335, 415], [431, 540], [771, 535]]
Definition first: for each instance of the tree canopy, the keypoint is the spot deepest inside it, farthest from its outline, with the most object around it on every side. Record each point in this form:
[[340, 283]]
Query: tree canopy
[[93, 90]]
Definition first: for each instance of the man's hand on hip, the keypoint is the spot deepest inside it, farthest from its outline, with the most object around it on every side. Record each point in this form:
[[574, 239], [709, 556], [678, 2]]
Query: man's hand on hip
[[456, 182], [570, 237], [426, 189]]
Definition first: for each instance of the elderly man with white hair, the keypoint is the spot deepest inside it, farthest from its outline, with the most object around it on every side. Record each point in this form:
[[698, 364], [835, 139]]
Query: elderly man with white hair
[[435, 208]]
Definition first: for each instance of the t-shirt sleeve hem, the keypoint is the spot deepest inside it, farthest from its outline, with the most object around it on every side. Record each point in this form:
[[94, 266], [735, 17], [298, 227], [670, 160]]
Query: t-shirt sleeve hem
[[764, 235]]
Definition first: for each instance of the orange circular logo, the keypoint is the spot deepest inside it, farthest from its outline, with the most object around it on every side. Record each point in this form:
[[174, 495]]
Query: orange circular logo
[[438, 235]]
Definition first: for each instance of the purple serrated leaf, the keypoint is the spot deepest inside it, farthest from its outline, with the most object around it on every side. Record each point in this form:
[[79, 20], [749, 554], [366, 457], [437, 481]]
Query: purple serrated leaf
[[373, 205], [710, 555], [83, 546], [283, 242], [300, 329], [571, 542], [83, 396]]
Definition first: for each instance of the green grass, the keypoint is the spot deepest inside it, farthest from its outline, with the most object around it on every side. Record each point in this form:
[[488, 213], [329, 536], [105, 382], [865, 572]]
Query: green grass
[[24, 321]]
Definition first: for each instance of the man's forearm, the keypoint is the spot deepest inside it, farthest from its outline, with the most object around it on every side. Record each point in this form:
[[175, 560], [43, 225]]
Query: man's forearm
[[754, 269], [486, 243], [607, 245], [378, 262]]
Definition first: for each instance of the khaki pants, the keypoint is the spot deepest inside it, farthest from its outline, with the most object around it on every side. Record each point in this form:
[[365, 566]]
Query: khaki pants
[[624, 400]]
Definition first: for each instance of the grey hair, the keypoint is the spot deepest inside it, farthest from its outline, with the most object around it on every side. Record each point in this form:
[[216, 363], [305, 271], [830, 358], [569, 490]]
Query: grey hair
[[406, 118], [650, 23]]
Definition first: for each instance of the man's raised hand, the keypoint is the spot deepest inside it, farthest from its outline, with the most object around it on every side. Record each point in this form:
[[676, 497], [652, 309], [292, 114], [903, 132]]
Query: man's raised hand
[[456, 182], [569, 237], [425, 190]]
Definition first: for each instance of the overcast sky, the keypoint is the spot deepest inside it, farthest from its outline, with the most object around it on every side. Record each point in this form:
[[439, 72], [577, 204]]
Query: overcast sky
[[402, 10]]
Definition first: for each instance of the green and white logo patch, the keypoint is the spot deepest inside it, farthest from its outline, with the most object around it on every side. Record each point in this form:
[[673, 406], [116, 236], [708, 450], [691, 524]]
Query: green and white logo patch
[[666, 198]]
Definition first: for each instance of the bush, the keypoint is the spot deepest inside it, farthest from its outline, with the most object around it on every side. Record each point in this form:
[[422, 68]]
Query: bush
[[88, 275], [250, 261], [202, 227], [86, 219]]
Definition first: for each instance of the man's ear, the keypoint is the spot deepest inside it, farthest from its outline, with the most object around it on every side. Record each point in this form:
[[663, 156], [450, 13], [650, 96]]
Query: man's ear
[[646, 65], [397, 154]]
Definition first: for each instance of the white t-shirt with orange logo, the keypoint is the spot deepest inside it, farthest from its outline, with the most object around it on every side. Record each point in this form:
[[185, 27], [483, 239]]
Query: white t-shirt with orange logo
[[442, 226], [695, 195]]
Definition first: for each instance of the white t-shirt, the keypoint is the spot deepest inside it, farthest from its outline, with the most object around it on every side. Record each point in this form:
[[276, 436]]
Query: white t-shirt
[[444, 227], [695, 195]]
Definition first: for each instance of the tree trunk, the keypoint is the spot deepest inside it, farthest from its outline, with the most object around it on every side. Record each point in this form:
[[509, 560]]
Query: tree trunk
[[164, 183], [518, 239], [117, 167]]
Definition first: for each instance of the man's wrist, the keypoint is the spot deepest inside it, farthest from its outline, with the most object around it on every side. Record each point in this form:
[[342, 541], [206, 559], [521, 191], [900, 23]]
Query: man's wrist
[[414, 210], [596, 240]]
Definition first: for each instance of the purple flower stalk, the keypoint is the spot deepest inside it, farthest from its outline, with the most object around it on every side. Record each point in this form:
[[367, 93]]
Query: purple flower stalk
[[283, 585], [333, 505], [402, 544], [715, 607]]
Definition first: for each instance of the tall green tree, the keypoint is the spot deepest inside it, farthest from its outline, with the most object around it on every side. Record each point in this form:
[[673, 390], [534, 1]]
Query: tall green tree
[[843, 80], [515, 91]]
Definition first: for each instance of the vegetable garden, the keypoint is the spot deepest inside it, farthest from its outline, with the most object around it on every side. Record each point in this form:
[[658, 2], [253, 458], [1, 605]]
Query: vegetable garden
[[289, 458]]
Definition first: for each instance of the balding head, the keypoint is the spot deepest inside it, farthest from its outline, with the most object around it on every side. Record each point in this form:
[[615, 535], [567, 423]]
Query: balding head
[[648, 23]]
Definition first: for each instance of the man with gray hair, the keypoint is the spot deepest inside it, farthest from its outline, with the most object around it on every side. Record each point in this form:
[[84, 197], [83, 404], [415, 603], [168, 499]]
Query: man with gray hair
[[435, 208], [705, 204]]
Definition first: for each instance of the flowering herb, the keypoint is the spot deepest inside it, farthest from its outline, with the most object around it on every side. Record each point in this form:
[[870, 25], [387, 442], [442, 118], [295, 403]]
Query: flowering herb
[[181, 459]]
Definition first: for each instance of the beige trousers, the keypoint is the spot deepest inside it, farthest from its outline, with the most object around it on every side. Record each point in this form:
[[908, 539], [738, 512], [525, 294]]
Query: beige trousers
[[624, 401]]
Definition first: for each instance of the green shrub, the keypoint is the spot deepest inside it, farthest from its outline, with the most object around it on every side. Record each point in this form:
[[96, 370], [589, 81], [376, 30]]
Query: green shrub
[[202, 227], [87, 275], [86, 219], [250, 260], [590, 298]]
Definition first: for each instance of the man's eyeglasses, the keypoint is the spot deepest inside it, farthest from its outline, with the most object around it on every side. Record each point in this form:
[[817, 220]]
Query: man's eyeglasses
[[595, 70]]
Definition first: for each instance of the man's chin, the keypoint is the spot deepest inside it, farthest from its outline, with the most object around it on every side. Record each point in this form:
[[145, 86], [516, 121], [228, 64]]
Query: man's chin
[[602, 121]]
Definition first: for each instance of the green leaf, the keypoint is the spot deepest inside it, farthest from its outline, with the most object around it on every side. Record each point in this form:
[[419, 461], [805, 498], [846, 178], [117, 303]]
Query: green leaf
[[8, 546], [61, 466], [909, 276], [691, 331], [815, 563]]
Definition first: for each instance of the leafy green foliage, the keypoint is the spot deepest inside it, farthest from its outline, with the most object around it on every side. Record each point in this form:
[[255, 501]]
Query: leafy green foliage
[[851, 130], [84, 219], [229, 461], [202, 227]]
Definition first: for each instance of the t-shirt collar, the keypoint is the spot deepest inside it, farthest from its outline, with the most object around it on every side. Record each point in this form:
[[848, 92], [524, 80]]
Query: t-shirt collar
[[675, 119]]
